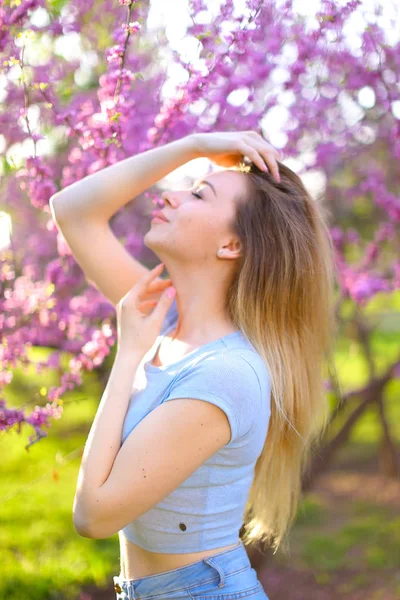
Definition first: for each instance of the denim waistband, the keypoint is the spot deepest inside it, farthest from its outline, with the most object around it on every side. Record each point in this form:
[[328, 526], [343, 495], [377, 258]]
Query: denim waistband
[[210, 569]]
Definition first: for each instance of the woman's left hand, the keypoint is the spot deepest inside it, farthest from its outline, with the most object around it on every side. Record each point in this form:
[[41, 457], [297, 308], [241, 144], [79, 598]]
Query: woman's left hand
[[137, 328]]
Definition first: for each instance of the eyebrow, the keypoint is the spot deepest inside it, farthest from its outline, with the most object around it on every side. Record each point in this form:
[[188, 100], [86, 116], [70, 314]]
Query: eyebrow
[[207, 183]]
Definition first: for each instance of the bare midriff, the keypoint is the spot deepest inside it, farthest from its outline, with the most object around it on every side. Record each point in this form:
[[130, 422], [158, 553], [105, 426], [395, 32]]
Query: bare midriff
[[136, 562]]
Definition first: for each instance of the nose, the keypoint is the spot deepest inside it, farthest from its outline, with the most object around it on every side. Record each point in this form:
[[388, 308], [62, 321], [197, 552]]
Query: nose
[[167, 198]]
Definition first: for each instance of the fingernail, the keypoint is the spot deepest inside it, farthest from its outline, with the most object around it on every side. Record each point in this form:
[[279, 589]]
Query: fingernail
[[171, 292]]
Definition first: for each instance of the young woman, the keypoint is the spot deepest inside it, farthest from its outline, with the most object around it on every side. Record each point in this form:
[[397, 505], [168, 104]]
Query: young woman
[[216, 395]]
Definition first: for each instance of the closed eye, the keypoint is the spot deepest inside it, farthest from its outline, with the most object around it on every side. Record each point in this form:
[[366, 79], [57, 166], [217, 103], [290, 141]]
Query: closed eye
[[197, 195]]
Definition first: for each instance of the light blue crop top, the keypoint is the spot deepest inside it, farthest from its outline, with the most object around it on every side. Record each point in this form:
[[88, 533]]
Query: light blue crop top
[[206, 511]]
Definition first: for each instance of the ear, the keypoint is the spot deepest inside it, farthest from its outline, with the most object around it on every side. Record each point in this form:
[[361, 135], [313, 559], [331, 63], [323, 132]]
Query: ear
[[231, 250]]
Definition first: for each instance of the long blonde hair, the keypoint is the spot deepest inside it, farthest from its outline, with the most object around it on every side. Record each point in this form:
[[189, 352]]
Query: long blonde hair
[[281, 297]]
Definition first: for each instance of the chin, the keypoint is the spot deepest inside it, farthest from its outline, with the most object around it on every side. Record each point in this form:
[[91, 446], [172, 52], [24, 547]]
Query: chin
[[152, 244]]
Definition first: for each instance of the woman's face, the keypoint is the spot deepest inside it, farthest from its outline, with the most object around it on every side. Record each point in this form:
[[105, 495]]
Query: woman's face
[[198, 219]]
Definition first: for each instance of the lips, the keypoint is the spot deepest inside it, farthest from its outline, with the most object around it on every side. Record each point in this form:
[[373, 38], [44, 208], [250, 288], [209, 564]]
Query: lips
[[160, 215]]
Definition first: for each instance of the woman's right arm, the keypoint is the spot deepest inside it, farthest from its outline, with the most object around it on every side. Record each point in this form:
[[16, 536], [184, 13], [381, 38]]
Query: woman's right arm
[[100, 195], [82, 210]]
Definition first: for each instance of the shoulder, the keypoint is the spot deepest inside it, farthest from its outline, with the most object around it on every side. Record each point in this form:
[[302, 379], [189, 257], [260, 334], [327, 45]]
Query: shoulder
[[243, 360], [225, 372], [255, 362], [238, 360], [224, 361]]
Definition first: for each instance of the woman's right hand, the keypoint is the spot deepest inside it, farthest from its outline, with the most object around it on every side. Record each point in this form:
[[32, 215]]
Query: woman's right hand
[[226, 149]]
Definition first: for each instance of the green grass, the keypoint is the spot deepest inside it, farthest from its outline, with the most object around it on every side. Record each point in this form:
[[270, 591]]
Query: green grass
[[39, 547], [368, 539], [42, 557]]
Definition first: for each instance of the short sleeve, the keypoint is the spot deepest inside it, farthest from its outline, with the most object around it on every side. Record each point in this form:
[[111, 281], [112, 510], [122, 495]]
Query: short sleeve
[[170, 318], [227, 380]]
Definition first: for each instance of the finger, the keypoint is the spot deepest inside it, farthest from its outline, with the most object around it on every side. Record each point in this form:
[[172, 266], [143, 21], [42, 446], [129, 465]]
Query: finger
[[277, 154], [159, 284], [155, 288], [143, 283], [150, 297], [272, 165], [253, 155], [258, 137], [270, 156], [265, 162], [147, 304], [163, 305]]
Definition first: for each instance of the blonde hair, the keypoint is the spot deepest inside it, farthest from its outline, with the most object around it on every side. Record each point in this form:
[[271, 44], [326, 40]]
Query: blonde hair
[[281, 297]]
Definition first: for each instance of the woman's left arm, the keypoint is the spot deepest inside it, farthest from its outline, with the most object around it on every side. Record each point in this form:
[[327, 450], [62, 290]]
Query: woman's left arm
[[136, 334]]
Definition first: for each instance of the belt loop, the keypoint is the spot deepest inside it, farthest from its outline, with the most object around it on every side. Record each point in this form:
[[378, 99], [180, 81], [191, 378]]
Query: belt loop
[[117, 587], [131, 591], [130, 595], [213, 563]]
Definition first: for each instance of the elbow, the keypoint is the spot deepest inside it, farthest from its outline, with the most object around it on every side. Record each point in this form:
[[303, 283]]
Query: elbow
[[89, 528], [89, 519], [89, 531], [82, 524], [83, 532], [94, 531], [82, 527], [57, 207]]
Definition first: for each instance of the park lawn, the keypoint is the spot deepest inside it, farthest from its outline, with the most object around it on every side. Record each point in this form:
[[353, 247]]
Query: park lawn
[[44, 558]]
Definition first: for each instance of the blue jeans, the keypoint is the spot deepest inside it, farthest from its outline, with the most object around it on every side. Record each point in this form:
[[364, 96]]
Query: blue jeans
[[224, 576]]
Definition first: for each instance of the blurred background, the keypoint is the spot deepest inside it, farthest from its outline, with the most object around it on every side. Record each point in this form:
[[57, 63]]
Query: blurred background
[[86, 83]]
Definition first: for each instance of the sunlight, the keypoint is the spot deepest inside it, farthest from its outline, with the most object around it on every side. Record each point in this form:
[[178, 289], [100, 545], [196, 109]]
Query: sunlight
[[5, 230]]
